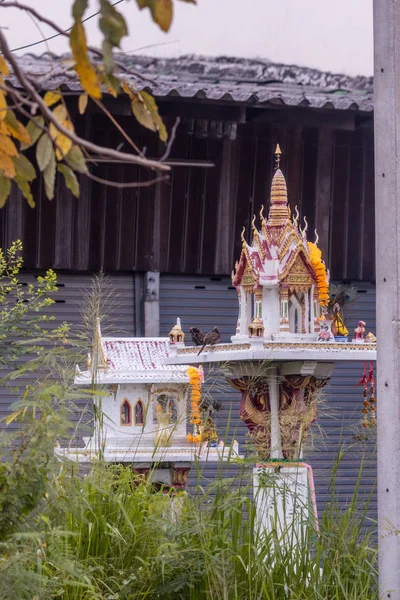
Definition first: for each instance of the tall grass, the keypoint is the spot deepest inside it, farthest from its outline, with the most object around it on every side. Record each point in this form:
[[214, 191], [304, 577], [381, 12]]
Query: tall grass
[[107, 535]]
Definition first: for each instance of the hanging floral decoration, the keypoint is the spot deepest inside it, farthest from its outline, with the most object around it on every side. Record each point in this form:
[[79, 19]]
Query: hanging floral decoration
[[320, 272], [195, 397], [369, 405]]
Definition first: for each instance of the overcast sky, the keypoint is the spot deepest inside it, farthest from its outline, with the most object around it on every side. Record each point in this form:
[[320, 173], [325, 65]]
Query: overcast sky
[[329, 35]]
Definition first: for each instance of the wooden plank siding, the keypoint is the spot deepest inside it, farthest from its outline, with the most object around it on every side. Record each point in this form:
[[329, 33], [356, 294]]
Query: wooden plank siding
[[192, 223]]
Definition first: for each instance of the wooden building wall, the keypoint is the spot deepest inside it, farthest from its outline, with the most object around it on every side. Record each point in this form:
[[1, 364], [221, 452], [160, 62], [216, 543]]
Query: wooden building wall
[[192, 223]]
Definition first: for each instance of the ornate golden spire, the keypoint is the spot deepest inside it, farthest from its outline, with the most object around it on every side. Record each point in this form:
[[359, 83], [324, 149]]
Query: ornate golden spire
[[278, 210]]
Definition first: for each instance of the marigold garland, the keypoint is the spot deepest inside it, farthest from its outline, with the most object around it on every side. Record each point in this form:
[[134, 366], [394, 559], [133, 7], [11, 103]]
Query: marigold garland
[[195, 397], [320, 272]]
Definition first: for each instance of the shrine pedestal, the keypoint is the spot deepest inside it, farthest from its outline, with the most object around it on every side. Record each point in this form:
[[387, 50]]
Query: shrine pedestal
[[284, 496]]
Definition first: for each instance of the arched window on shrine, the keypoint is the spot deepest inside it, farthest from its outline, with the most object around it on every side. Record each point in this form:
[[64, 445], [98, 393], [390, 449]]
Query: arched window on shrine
[[168, 405], [126, 413], [139, 412], [295, 315]]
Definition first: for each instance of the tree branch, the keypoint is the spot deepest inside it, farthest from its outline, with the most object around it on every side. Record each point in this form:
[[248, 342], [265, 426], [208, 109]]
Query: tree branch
[[171, 139], [26, 84], [40, 17], [122, 185]]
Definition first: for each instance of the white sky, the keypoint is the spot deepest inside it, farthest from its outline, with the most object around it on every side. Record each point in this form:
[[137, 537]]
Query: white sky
[[331, 35]]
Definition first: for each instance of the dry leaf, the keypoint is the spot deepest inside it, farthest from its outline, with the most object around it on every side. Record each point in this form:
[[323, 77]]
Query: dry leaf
[[7, 145], [5, 189], [63, 142], [84, 67], [51, 98], [4, 70], [17, 130], [3, 106], [82, 103], [7, 165], [161, 11]]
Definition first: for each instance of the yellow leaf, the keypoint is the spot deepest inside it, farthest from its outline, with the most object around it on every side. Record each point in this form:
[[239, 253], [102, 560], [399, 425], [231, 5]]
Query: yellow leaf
[[83, 67], [5, 189], [7, 145], [3, 106], [4, 67], [60, 113], [51, 98], [82, 103], [16, 129], [7, 165], [63, 142], [161, 11]]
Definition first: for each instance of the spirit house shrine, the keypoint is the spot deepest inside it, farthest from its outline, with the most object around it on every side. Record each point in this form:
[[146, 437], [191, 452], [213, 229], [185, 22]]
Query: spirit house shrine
[[281, 281], [284, 350]]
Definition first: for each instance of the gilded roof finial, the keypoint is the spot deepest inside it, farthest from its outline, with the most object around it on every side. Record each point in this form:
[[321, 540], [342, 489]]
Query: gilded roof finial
[[262, 212], [278, 156], [242, 237], [253, 224], [296, 217]]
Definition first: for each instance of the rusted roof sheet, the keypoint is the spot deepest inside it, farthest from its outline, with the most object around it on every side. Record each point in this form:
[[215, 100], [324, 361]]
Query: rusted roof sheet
[[247, 81]]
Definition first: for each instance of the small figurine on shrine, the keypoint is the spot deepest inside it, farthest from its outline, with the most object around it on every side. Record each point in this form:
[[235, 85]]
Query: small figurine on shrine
[[359, 332], [340, 329], [325, 334]]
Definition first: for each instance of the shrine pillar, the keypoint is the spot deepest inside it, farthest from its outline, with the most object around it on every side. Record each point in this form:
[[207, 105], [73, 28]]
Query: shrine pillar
[[273, 390], [270, 310], [284, 310]]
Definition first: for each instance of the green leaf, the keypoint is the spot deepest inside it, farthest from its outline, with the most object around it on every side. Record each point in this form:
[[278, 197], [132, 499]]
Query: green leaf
[[108, 60], [70, 179], [44, 151], [24, 167], [49, 176], [112, 23], [34, 131], [161, 11], [25, 188], [76, 160], [5, 189], [78, 9], [145, 109]]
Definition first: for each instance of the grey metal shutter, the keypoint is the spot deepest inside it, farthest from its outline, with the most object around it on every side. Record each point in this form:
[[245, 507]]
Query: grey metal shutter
[[210, 301], [67, 307]]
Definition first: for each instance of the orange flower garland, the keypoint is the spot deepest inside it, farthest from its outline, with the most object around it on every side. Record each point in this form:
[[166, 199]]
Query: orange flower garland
[[320, 272], [195, 397]]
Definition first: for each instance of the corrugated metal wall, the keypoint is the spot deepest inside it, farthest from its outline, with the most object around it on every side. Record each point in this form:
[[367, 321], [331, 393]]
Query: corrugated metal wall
[[206, 302], [67, 307]]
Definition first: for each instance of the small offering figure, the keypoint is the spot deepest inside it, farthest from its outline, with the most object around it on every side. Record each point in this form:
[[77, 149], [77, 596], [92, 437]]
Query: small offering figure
[[325, 334], [339, 326], [359, 332]]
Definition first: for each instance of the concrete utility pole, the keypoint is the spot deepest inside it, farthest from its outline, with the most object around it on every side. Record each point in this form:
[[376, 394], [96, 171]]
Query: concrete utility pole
[[387, 219]]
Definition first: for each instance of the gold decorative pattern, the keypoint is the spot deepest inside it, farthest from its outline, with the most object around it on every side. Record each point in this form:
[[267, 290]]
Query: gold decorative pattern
[[347, 346]]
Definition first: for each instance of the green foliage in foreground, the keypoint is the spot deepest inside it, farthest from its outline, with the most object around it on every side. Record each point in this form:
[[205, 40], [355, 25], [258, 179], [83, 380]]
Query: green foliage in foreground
[[103, 536], [100, 534]]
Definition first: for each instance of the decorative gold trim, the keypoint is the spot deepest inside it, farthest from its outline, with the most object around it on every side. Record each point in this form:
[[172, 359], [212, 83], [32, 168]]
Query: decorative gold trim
[[345, 346]]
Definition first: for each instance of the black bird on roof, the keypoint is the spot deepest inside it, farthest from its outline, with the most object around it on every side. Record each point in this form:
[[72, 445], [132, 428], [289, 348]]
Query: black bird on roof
[[197, 336], [210, 338]]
